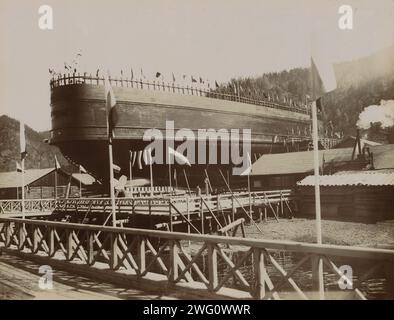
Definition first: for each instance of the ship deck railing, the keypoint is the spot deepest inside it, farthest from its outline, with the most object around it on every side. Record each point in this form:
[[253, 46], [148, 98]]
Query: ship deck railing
[[77, 78]]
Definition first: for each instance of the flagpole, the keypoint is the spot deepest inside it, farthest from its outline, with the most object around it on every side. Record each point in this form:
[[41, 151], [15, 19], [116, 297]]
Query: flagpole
[[250, 195], [316, 172], [130, 172], [55, 183], [317, 264], [151, 173], [80, 183], [23, 187], [111, 181], [169, 168]]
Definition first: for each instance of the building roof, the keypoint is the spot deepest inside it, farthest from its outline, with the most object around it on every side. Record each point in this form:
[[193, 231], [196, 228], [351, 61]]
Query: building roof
[[302, 162], [350, 141], [358, 178], [13, 179], [84, 178]]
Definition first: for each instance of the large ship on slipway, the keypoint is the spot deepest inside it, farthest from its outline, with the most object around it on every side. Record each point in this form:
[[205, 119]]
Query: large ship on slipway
[[79, 127]]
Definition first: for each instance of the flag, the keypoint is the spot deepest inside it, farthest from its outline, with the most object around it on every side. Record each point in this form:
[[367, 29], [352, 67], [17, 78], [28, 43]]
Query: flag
[[193, 80], [110, 102], [249, 168], [148, 156], [139, 160], [57, 164], [134, 157], [82, 169], [158, 74], [116, 168], [18, 167], [181, 159], [216, 84], [22, 140], [201, 80], [323, 76]]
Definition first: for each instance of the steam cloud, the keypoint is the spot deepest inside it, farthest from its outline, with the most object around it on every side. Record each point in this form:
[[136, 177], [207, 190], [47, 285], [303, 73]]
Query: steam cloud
[[383, 113]]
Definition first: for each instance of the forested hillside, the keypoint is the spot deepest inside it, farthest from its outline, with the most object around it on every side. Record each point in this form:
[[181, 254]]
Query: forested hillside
[[361, 83]]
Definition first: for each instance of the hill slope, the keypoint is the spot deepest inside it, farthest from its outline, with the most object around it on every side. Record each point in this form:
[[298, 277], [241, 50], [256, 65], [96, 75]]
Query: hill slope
[[40, 154], [361, 82]]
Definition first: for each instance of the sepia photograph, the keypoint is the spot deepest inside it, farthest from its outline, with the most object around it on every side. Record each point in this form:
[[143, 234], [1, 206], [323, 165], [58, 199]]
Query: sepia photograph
[[196, 155]]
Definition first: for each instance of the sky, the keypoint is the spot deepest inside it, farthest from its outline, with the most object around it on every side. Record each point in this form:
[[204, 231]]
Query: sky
[[216, 39]]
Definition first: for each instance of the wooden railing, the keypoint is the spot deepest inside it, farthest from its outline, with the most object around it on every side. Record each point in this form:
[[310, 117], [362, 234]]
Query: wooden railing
[[77, 78], [162, 256], [275, 201], [31, 205]]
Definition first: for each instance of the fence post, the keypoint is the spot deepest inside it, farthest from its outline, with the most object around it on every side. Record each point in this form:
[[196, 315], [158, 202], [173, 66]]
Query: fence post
[[70, 243], [141, 255], [170, 216], [261, 273], [90, 240], [8, 234], [114, 251], [212, 267], [202, 216], [233, 208], [35, 239], [21, 236], [173, 272], [281, 203], [51, 242], [317, 278]]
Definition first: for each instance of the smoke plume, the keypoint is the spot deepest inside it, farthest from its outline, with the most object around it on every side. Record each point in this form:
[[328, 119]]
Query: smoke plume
[[383, 114]]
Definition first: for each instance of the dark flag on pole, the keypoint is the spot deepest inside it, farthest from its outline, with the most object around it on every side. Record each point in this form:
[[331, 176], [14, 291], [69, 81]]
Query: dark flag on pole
[[158, 74], [319, 105], [216, 84], [193, 80]]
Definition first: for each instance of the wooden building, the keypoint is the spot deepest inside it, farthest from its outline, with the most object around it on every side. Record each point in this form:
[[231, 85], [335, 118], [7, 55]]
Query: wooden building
[[284, 170], [40, 184], [352, 195]]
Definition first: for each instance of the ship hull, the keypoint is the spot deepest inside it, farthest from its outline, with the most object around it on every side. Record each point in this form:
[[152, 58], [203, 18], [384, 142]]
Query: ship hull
[[79, 128]]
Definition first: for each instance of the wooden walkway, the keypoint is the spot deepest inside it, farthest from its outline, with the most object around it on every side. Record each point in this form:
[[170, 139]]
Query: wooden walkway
[[19, 279], [200, 214], [158, 259]]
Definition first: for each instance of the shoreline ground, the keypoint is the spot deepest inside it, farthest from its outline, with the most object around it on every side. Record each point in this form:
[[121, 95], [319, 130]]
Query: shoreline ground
[[345, 233]]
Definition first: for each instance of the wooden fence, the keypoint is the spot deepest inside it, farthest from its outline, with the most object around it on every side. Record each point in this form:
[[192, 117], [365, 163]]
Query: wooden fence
[[162, 256], [31, 205]]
